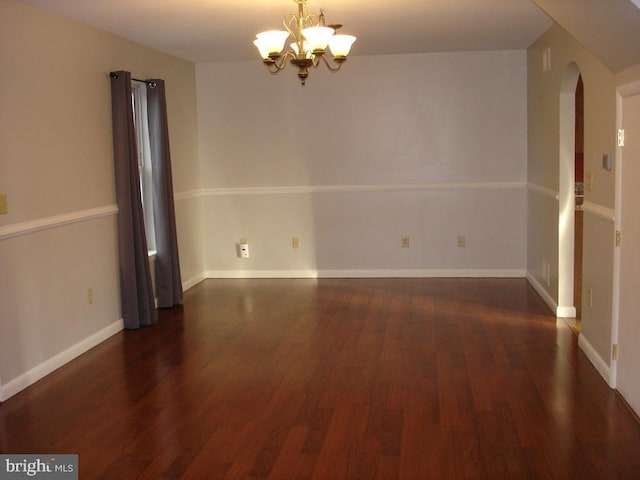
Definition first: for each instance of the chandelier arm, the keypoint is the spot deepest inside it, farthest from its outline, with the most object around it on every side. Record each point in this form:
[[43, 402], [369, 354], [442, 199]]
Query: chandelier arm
[[336, 65], [288, 20], [312, 20], [273, 68], [294, 24], [283, 59], [279, 63], [307, 19]]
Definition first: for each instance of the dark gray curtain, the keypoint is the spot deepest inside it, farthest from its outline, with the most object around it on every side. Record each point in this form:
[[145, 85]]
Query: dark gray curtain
[[167, 264], [136, 290]]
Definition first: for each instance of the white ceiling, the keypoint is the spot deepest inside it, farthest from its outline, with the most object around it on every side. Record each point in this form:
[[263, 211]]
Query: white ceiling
[[609, 29], [219, 30]]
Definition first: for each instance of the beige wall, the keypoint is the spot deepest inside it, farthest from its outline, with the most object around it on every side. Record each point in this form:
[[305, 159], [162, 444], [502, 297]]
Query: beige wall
[[543, 171], [430, 145], [56, 168]]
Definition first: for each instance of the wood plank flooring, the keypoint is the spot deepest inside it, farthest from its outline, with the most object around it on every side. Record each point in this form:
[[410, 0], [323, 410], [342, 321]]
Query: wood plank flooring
[[335, 379]]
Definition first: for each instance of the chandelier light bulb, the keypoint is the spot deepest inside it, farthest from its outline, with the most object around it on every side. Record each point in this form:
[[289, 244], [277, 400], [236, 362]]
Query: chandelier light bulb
[[318, 37], [271, 41], [264, 53], [305, 46], [340, 45]]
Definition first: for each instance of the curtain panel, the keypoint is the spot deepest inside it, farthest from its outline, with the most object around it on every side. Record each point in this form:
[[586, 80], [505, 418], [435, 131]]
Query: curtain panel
[[136, 290], [167, 264]]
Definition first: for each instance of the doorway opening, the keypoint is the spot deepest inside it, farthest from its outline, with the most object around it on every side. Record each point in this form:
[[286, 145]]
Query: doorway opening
[[579, 189], [567, 194]]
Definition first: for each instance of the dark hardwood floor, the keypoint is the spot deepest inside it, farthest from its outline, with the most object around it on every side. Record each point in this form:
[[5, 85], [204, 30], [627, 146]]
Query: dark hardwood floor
[[335, 379]]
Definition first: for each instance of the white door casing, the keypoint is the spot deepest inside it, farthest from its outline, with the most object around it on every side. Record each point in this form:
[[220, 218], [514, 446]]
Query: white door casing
[[626, 315]]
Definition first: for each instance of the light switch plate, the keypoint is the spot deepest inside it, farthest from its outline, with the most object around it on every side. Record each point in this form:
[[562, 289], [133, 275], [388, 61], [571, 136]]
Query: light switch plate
[[588, 181]]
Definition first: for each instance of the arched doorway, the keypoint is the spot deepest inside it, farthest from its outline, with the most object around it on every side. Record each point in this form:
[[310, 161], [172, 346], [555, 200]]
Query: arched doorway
[[567, 193]]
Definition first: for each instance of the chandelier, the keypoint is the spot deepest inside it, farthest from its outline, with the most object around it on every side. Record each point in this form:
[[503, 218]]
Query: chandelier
[[310, 40]]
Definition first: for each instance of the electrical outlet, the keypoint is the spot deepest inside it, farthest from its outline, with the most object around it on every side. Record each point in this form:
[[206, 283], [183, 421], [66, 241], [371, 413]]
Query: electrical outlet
[[405, 241], [90, 298], [461, 241], [546, 272], [295, 242], [4, 206], [242, 248]]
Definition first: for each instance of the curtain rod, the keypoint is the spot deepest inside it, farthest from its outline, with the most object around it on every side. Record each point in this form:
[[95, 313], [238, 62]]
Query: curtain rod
[[115, 76]]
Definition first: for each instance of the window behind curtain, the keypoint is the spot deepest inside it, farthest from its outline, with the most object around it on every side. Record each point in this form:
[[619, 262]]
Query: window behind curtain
[[141, 123]]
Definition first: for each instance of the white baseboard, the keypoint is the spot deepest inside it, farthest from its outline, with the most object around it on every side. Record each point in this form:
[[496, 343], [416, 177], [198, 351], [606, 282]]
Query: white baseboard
[[193, 281], [262, 274], [45, 368], [598, 362], [546, 296], [566, 312], [417, 273], [421, 273]]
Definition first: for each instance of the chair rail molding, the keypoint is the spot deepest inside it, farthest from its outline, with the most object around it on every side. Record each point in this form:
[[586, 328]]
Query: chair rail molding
[[33, 226]]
